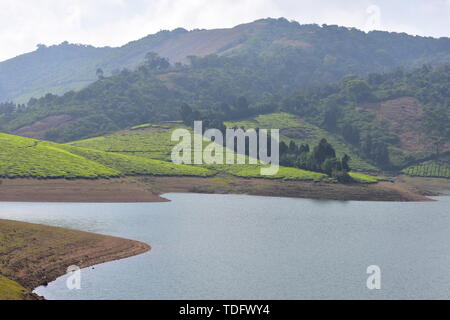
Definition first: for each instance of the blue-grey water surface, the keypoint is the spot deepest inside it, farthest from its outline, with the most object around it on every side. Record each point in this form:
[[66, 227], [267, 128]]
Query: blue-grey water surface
[[244, 247]]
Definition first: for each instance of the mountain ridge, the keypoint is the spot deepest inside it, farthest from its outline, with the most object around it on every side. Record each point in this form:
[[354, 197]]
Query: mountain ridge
[[61, 68]]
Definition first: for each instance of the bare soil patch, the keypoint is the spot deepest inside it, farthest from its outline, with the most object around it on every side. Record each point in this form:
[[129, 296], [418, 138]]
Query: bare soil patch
[[424, 185], [38, 129], [383, 191], [149, 189]]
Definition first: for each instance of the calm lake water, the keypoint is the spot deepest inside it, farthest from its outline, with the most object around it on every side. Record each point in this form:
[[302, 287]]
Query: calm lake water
[[243, 247]]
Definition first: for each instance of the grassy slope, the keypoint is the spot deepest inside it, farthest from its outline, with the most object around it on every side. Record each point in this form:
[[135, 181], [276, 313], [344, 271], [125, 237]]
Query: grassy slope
[[132, 165], [11, 290], [294, 128], [153, 142], [24, 157], [365, 178]]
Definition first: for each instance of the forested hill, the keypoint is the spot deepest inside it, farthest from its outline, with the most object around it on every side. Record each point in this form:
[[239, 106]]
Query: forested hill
[[306, 54], [390, 119]]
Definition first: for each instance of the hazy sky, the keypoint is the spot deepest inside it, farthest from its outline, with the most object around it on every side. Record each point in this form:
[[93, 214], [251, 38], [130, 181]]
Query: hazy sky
[[26, 23]]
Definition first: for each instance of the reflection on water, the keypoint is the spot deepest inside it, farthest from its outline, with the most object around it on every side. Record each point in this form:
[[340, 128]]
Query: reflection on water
[[243, 247]]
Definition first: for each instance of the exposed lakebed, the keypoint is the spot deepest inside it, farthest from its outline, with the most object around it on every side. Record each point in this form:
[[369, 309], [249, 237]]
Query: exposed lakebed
[[244, 247]]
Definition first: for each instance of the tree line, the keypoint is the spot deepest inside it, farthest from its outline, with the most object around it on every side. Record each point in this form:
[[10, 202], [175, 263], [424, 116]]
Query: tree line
[[322, 158]]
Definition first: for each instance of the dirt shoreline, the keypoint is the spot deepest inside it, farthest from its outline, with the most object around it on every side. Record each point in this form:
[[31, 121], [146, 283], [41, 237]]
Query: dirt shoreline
[[34, 255], [80, 190], [382, 191], [150, 189]]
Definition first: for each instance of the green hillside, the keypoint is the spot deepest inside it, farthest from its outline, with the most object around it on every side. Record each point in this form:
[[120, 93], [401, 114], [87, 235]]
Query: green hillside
[[143, 150], [300, 131], [375, 115], [131, 165], [157, 144], [24, 157], [154, 142], [389, 121]]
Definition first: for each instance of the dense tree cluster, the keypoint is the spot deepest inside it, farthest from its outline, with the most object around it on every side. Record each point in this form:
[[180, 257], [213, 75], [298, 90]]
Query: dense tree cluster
[[335, 108], [210, 121], [436, 126], [321, 158]]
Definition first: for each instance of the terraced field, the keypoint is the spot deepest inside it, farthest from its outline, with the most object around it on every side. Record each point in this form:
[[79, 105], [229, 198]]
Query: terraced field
[[433, 168], [154, 144], [24, 157], [130, 165]]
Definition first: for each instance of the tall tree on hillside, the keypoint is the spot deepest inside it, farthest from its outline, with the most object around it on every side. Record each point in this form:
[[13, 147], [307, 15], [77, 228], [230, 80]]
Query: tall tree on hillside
[[323, 151], [351, 133], [242, 105], [345, 162], [155, 62], [358, 91], [187, 115]]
